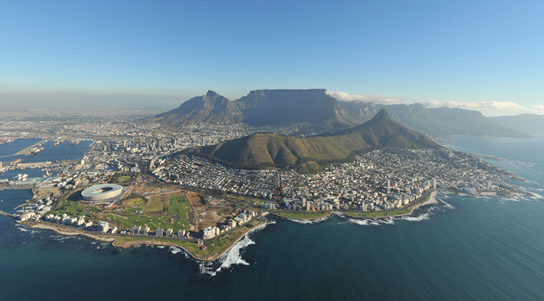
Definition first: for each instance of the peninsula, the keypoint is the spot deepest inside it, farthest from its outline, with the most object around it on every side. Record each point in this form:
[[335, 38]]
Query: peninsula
[[204, 188]]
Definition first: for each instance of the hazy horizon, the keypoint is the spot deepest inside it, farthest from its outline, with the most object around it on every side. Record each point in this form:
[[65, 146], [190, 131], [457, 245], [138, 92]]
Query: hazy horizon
[[74, 100], [481, 56]]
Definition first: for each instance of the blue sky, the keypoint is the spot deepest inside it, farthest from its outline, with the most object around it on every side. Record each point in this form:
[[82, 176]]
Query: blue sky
[[484, 55]]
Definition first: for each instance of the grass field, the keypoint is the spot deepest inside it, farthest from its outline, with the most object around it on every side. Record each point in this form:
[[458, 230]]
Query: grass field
[[122, 179], [74, 209], [155, 204], [128, 206], [178, 206], [302, 215], [378, 214], [219, 244], [154, 222]]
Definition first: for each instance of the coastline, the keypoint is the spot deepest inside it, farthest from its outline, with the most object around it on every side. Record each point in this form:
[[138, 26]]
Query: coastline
[[136, 241], [70, 232], [306, 218], [429, 201], [143, 241], [154, 242]]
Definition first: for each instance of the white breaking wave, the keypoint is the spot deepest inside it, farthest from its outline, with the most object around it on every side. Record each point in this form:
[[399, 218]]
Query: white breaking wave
[[60, 238], [364, 222], [161, 247], [390, 220], [306, 222], [536, 195], [175, 250], [424, 216], [446, 204], [233, 256]]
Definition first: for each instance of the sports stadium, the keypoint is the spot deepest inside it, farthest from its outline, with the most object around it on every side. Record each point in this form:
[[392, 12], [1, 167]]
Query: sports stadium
[[102, 193]]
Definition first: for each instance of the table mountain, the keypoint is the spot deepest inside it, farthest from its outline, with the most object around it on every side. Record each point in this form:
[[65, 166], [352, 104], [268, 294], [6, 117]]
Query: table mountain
[[315, 108]]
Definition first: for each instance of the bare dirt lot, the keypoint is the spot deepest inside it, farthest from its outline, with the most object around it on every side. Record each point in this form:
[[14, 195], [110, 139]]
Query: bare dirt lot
[[194, 199]]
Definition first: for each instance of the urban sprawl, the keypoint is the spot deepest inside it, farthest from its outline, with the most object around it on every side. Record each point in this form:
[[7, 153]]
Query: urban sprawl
[[377, 181]]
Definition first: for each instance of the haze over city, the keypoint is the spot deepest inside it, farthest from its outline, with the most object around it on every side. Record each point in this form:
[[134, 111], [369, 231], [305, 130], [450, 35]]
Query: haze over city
[[481, 56]]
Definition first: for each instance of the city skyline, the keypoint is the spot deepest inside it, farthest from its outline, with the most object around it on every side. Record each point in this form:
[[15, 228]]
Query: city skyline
[[481, 56]]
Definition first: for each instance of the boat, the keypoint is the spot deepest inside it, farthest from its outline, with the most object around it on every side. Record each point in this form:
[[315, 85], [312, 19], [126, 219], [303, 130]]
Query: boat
[[37, 150]]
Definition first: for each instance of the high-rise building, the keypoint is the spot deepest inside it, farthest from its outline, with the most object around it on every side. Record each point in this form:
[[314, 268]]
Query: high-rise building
[[388, 185], [103, 227], [159, 232]]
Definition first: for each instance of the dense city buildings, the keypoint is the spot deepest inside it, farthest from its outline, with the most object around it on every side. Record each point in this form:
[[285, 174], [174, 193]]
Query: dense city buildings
[[152, 183]]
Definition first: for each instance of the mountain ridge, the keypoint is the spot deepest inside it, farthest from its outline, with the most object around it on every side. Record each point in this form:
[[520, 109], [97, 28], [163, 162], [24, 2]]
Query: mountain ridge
[[315, 108], [530, 123], [306, 155]]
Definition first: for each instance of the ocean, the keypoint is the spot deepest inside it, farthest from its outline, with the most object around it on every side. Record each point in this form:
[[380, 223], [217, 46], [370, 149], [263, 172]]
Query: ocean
[[464, 248], [63, 151]]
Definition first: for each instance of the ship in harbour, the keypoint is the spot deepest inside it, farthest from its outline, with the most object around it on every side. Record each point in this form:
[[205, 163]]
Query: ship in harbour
[[36, 150]]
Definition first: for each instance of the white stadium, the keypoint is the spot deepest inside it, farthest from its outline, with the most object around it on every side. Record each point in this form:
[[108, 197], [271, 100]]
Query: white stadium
[[102, 192]]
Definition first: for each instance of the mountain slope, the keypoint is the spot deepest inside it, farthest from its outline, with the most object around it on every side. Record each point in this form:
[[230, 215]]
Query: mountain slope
[[531, 123], [210, 108], [308, 154], [473, 122], [315, 108]]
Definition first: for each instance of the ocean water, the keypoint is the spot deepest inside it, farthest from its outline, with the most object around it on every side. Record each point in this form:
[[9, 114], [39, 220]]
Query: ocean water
[[464, 248], [63, 151]]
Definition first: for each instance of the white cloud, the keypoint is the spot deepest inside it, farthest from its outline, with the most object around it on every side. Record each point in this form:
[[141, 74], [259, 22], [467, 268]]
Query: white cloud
[[490, 108], [344, 96]]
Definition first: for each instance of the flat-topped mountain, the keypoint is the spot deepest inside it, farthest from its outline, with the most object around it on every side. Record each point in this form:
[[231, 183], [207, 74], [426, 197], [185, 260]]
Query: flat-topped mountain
[[259, 151], [315, 108]]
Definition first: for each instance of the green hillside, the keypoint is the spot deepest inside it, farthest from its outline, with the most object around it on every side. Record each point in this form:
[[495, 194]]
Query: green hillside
[[309, 154]]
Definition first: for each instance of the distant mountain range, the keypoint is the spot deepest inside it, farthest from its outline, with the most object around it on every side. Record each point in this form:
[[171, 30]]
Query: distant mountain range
[[316, 108], [308, 155], [530, 123]]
